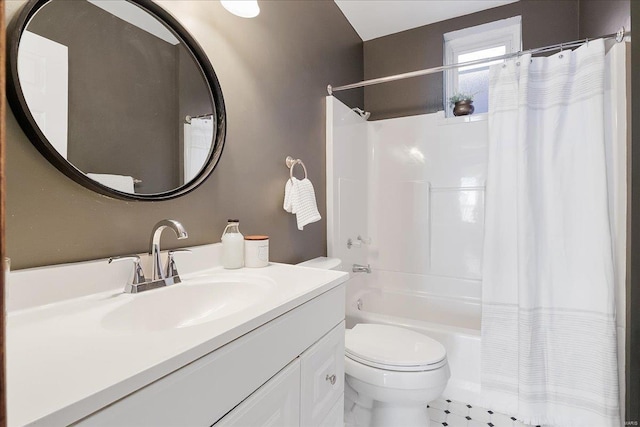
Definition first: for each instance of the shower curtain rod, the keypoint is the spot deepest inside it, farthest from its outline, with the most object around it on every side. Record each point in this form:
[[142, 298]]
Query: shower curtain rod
[[187, 118], [618, 36]]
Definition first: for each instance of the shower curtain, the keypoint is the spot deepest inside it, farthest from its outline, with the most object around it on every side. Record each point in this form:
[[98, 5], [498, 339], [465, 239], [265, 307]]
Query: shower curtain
[[198, 138], [548, 313]]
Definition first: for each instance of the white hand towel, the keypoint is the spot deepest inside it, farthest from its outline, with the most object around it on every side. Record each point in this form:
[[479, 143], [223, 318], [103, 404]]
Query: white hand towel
[[288, 196], [117, 182], [300, 199], [304, 203]]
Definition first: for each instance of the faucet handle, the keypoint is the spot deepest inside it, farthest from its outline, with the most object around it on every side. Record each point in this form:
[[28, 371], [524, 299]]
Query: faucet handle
[[173, 251], [365, 240], [172, 270], [138, 273], [359, 241]]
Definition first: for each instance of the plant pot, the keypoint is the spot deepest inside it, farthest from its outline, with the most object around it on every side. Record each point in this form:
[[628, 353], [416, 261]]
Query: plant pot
[[463, 108]]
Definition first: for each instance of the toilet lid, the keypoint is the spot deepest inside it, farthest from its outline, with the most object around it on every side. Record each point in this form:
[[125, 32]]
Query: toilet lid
[[393, 348]]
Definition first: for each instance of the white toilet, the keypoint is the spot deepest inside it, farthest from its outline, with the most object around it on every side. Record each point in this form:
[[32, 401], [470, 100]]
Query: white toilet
[[391, 373]]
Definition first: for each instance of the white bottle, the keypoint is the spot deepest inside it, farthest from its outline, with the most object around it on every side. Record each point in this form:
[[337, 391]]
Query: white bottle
[[232, 245]]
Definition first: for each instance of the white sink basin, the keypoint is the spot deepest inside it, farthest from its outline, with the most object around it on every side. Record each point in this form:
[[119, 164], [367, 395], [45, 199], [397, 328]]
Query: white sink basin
[[189, 303]]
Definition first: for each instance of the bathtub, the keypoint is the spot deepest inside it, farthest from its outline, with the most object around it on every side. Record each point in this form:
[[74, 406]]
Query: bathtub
[[454, 321]]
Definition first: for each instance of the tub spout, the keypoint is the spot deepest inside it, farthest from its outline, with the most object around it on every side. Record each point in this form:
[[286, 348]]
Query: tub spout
[[357, 268]]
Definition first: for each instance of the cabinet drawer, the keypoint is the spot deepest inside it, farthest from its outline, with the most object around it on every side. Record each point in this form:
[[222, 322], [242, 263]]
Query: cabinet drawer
[[322, 377], [276, 403]]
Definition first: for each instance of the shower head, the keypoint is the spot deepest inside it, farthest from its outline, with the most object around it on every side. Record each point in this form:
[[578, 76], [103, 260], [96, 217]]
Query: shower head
[[364, 114]]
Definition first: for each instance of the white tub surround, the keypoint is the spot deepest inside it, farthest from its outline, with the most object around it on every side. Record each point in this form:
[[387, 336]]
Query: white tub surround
[[415, 187], [348, 160], [68, 359]]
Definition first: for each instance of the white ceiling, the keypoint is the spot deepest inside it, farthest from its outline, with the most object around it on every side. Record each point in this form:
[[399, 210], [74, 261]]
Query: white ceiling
[[377, 18]]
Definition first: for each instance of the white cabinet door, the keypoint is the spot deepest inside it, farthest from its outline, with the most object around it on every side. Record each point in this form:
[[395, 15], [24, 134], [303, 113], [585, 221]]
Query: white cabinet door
[[322, 382], [275, 404], [335, 417]]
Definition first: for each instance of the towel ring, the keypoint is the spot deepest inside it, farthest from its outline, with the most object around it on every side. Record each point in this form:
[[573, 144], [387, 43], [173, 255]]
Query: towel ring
[[291, 162]]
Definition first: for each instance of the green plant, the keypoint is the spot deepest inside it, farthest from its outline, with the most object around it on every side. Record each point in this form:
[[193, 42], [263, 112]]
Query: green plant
[[460, 96]]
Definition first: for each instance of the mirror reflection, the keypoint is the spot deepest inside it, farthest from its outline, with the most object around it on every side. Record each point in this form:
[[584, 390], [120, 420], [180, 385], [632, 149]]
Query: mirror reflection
[[117, 94]]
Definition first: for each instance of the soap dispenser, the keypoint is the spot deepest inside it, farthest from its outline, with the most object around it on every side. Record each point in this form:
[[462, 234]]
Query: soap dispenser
[[232, 245]]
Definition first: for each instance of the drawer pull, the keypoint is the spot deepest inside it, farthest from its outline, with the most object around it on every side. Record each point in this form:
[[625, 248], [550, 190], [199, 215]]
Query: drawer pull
[[331, 379]]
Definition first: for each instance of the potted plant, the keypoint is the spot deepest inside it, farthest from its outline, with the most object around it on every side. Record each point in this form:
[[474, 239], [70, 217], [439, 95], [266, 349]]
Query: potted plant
[[462, 104]]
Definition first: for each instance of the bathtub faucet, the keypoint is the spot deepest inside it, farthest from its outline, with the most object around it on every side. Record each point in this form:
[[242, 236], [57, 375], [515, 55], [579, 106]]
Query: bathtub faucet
[[357, 268]]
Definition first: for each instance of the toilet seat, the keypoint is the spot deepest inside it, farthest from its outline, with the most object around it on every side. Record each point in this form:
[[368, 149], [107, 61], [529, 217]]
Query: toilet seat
[[412, 368], [394, 349]]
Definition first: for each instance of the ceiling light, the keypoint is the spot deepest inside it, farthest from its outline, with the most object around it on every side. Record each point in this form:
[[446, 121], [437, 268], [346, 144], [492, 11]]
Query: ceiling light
[[242, 8]]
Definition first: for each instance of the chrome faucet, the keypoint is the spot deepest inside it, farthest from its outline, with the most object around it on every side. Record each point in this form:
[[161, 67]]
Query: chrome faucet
[[158, 272], [160, 277], [357, 268]]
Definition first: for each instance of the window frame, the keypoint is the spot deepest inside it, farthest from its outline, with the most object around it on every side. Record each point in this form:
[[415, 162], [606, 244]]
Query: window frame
[[505, 32]]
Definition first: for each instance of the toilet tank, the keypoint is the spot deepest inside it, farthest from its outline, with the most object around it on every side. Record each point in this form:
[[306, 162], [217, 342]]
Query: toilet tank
[[322, 262]]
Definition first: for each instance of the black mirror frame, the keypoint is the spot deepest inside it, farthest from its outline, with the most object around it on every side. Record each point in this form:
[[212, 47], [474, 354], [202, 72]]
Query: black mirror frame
[[28, 124]]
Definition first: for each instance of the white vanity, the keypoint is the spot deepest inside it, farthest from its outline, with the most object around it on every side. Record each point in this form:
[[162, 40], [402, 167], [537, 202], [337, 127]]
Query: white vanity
[[247, 347]]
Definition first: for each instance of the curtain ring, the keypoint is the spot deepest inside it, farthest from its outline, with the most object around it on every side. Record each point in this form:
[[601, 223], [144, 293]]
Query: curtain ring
[[561, 48]]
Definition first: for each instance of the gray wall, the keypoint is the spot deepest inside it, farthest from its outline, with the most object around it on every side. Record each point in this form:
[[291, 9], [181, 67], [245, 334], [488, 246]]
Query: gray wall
[[135, 85], [273, 71], [543, 23], [600, 17]]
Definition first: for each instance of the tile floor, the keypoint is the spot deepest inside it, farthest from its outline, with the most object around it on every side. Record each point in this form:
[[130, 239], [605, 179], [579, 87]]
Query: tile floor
[[448, 413]]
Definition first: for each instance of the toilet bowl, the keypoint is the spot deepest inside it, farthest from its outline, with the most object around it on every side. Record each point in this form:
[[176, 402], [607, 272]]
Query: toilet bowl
[[391, 373]]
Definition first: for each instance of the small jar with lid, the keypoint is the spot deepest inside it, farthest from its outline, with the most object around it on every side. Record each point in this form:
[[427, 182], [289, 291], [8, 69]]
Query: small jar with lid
[[256, 251]]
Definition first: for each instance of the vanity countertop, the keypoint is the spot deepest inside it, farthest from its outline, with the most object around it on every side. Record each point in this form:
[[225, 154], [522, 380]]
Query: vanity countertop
[[64, 362]]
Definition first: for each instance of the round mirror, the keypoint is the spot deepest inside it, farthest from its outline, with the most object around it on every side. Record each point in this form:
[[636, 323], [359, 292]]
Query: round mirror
[[117, 95]]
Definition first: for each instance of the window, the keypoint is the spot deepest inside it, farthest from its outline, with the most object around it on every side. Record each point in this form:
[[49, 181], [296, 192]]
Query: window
[[483, 41]]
